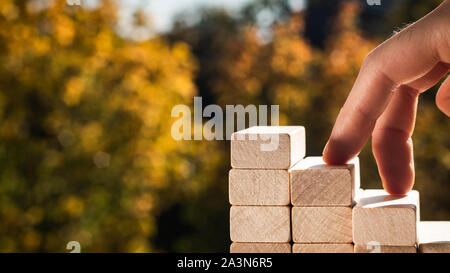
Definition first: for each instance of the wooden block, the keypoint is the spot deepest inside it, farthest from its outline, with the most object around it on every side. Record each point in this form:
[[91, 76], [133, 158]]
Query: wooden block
[[434, 237], [384, 249], [260, 224], [322, 248], [259, 187], [313, 183], [267, 147], [322, 224], [260, 248], [386, 219]]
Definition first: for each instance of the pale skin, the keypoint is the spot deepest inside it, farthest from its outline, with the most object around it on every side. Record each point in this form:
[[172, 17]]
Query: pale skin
[[383, 100]]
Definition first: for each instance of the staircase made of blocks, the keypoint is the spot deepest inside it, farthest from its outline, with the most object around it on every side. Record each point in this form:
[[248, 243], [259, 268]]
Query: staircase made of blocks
[[283, 202]]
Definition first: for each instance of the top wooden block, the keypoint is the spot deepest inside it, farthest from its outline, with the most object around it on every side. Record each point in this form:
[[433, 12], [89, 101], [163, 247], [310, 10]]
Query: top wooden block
[[313, 183], [386, 219], [434, 237], [267, 147]]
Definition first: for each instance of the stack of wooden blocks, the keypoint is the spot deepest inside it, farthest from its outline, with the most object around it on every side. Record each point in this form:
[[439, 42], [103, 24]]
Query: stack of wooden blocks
[[283, 203]]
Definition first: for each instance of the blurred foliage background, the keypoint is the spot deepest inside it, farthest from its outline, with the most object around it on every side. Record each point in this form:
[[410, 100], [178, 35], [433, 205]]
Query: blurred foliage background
[[86, 152]]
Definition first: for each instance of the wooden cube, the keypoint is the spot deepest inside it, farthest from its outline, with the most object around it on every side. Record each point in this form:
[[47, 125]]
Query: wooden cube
[[434, 237], [267, 147], [322, 224], [386, 219], [322, 248], [265, 224], [313, 183], [260, 248], [259, 187], [384, 249]]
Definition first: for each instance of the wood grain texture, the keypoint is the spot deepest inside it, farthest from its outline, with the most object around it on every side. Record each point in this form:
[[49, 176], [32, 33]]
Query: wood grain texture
[[260, 248], [313, 183], [384, 249], [267, 147], [322, 248], [259, 187], [434, 237], [386, 219], [322, 224], [263, 224]]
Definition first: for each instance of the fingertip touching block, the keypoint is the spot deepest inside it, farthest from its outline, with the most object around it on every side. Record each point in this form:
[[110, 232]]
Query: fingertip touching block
[[386, 219], [314, 183], [267, 147], [264, 224]]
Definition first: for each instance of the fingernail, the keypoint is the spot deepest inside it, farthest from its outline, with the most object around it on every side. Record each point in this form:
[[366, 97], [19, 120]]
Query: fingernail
[[325, 149]]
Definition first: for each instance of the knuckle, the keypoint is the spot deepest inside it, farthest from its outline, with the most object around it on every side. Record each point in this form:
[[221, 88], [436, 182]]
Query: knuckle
[[370, 58]]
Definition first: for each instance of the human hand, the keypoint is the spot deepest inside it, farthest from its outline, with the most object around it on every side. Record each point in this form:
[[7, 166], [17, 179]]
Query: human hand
[[383, 100]]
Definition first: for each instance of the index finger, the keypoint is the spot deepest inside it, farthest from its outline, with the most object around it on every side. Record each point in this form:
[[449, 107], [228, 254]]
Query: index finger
[[403, 58]]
